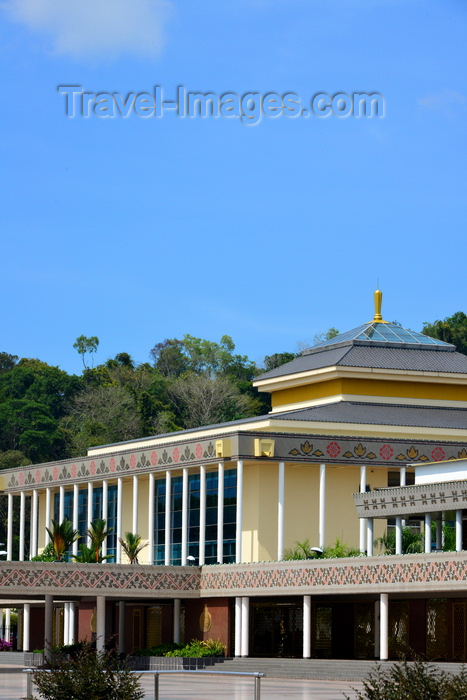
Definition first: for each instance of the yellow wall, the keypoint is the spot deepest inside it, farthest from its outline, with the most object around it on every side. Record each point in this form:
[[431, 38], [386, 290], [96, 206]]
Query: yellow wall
[[302, 507], [259, 541], [369, 387], [143, 512], [301, 504]]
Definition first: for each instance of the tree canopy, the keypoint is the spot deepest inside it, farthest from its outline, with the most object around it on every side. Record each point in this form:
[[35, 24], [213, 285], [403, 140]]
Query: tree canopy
[[452, 329], [47, 414]]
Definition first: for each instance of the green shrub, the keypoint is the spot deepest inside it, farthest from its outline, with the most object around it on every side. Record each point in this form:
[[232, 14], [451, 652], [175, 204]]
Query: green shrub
[[417, 680], [197, 648], [159, 650], [87, 675]]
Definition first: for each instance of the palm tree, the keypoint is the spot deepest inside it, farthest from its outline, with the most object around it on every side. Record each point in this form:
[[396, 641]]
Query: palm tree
[[62, 535], [412, 541], [97, 532], [132, 546], [87, 555]]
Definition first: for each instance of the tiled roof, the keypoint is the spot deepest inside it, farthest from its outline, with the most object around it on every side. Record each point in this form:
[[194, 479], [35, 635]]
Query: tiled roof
[[366, 355], [380, 414]]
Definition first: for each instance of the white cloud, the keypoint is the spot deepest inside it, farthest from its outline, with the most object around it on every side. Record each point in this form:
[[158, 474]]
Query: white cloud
[[89, 28], [445, 100]]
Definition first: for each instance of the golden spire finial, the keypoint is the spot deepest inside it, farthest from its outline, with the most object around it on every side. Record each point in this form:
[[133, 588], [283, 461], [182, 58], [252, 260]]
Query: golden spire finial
[[378, 303]]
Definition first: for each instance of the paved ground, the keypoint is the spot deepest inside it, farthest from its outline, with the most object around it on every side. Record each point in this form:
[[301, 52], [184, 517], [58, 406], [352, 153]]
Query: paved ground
[[189, 687]]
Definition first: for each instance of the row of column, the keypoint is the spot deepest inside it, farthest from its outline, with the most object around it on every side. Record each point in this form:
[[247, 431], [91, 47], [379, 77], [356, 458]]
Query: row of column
[[135, 510], [366, 526], [381, 640]]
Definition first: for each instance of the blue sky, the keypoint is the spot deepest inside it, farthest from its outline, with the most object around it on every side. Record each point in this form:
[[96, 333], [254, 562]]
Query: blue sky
[[141, 229]]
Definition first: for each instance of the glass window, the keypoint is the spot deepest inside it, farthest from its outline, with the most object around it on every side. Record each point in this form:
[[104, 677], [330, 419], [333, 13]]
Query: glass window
[[230, 500]]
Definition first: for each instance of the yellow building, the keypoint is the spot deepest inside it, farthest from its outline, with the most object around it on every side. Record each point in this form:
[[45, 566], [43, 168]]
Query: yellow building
[[219, 505]]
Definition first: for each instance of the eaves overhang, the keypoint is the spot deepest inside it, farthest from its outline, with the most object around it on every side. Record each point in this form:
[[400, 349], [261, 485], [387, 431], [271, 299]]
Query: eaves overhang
[[346, 372]]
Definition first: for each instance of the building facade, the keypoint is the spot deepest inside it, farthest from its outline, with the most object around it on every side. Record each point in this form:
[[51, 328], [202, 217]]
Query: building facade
[[219, 505]]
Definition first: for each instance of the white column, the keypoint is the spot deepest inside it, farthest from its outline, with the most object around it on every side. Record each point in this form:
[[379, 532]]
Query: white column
[[21, 525], [9, 536], [322, 505], [72, 622], [377, 628], [105, 511], [61, 505], [2, 628], [66, 623], [280, 511], [151, 507], [100, 623], [427, 533], [369, 536], [118, 558], [458, 531], [177, 621], [90, 508], [202, 515], [238, 626], [75, 516], [383, 627], [439, 531], [306, 626], [48, 622], [239, 526], [34, 518], [135, 504], [398, 534], [7, 624], [47, 514], [121, 626], [402, 482], [363, 524], [245, 625], [184, 517], [168, 518], [220, 513]]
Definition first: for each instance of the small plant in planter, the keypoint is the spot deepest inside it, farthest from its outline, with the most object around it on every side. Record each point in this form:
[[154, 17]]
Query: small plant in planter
[[197, 649], [5, 645]]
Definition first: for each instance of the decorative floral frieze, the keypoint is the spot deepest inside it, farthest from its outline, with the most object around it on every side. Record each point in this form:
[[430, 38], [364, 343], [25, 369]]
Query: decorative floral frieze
[[93, 467], [344, 450]]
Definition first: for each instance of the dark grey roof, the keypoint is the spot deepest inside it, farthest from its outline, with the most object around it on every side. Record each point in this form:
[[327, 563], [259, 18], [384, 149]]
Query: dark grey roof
[[380, 414], [343, 412], [374, 355]]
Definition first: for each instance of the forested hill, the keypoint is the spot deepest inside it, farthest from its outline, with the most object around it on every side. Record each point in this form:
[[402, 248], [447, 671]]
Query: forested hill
[[47, 414]]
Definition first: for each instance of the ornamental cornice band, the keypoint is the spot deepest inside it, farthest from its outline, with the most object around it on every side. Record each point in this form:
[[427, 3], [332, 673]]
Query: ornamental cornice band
[[411, 500], [297, 448]]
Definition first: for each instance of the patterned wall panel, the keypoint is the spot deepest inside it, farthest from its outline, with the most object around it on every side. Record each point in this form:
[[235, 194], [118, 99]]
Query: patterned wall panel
[[410, 500], [149, 582], [440, 572]]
